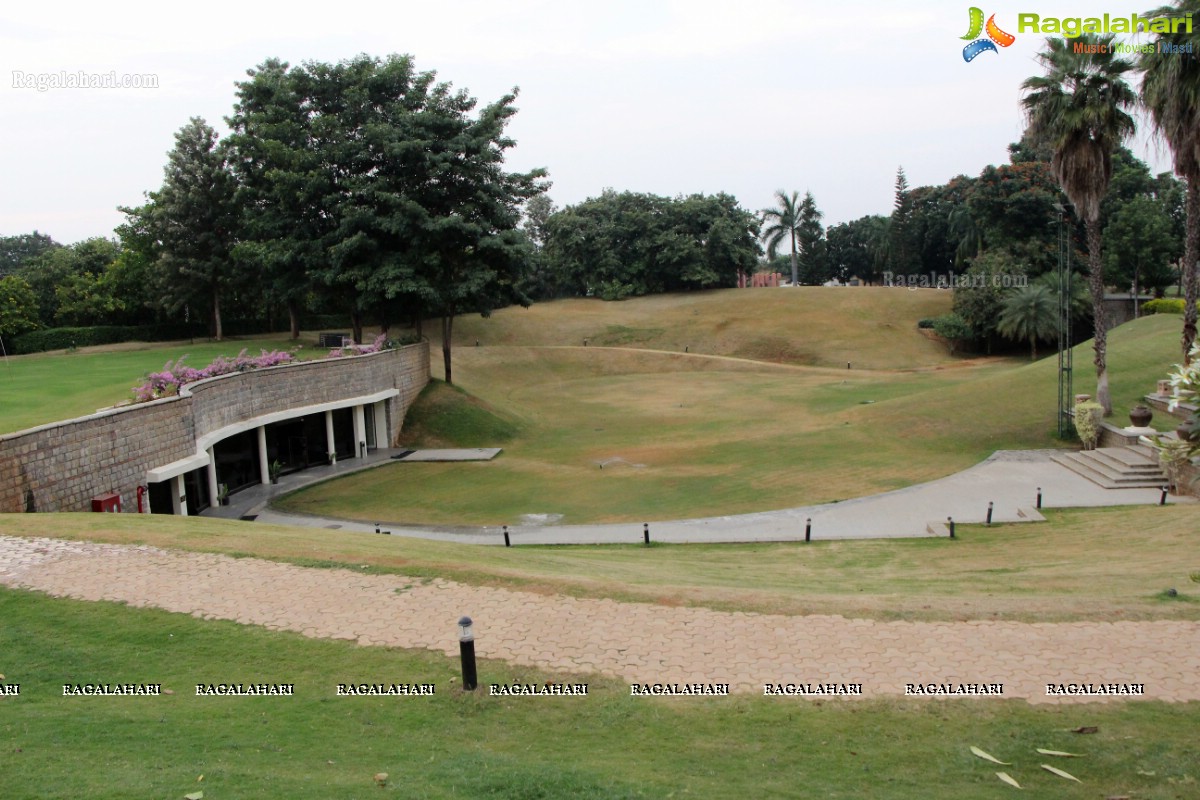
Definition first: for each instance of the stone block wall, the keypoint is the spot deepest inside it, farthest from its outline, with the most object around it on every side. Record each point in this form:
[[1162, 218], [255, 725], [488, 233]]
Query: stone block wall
[[63, 465]]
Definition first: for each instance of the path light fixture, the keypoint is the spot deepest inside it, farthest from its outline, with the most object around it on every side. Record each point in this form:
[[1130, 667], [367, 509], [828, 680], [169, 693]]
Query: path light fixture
[[950, 522], [1162, 501], [808, 529], [1039, 498], [507, 543], [646, 533], [989, 516], [466, 653]]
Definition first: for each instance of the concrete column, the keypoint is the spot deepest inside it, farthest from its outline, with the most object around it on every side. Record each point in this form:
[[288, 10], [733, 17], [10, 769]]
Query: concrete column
[[264, 468], [178, 496], [212, 479], [381, 431], [360, 430], [329, 446]]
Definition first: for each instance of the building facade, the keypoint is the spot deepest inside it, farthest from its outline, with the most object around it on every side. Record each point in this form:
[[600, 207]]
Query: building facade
[[176, 455]]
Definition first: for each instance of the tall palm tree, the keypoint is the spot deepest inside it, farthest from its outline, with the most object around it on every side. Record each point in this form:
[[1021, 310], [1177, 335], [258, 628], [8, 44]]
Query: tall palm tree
[[783, 222], [1028, 314], [1079, 108], [1171, 93]]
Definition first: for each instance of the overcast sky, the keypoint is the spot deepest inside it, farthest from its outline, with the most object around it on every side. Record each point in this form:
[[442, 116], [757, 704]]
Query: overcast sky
[[660, 96]]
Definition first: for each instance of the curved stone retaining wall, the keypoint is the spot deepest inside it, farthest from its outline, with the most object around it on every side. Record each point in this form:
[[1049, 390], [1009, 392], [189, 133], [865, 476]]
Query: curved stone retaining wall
[[63, 465]]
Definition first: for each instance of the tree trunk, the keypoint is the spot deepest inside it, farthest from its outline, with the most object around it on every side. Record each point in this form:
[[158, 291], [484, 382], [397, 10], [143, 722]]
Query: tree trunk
[[1033, 348], [1099, 318], [795, 267], [447, 329], [1189, 273], [356, 325], [218, 333], [294, 318]]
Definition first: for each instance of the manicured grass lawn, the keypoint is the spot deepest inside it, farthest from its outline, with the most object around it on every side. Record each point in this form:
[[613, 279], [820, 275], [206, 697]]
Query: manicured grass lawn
[[46, 387], [470, 746], [1091, 564], [685, 436]]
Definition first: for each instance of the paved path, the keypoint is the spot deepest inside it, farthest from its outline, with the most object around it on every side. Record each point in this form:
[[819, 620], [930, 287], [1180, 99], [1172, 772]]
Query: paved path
[[635, 642], [1010, 479]]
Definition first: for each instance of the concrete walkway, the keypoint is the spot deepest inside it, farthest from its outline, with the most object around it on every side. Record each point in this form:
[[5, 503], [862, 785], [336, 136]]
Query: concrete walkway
[[633, 642], [1009, 479]]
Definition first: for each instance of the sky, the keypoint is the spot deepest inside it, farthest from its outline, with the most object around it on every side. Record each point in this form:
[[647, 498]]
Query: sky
[[659, 96]]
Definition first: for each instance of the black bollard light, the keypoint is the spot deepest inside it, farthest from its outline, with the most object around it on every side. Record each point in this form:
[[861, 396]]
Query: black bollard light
[[1039, 500], [377, 527], [1162, 501], [507, 543], [808, 529], [950, 522], [989, 517], [362, 449], [646, 533], [466, 652]]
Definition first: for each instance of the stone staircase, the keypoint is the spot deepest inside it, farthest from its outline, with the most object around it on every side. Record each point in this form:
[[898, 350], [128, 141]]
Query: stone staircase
[[1133, 467]]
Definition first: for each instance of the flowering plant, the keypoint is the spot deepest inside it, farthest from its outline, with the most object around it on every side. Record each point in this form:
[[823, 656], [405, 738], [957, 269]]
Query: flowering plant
[[381, 343], [167, 381], [1186, 378]]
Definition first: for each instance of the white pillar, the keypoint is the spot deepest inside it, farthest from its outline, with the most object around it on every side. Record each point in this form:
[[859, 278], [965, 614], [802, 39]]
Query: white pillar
[[360, 431], [381, 430], [264, 469], [178, 496], [213, 490], [330, 448]]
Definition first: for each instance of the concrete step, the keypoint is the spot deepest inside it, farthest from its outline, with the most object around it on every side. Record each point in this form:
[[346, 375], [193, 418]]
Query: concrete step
[[1119, 470]]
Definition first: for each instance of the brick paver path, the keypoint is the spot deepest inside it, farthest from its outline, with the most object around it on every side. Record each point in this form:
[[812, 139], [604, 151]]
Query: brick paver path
[[636, 642]]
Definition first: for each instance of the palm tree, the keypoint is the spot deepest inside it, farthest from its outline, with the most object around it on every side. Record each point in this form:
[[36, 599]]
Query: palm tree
[[1171, 93], [1079, 108], [783, 222], [1028, 314]]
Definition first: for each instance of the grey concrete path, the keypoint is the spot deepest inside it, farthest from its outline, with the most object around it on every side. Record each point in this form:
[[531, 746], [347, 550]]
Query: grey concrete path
[[1009, 478]]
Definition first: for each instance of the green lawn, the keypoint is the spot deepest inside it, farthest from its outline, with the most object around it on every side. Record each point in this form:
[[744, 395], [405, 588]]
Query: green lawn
[[1080, 564], [689, 436], [471, 746], [47, 387]]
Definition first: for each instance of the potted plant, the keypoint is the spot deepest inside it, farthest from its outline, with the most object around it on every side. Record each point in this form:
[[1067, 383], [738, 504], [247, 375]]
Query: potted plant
[[275, 469], [1087, 423]]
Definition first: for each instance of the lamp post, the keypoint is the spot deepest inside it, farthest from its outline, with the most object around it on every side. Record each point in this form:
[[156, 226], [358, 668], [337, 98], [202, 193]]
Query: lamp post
[[466, 652]]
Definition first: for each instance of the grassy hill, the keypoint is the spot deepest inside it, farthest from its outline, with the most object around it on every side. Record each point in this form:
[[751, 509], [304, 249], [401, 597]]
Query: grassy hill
[[871, 327], [691, 436]]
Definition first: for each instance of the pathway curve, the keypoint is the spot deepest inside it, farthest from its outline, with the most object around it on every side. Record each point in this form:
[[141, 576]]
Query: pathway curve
[[635, 642]]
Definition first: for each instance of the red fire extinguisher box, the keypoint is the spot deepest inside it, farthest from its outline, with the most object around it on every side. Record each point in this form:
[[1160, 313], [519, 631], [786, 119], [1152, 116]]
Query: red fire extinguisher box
[[107, 502]]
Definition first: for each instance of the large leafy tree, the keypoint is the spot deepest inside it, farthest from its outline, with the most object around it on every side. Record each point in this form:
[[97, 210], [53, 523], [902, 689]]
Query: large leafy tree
[[624, 244], [857, 249], [195, 222], [281, 192], [18, 307], [16, 250], [1080, 108], [1171, 92], [1140, 246], [782, 223]]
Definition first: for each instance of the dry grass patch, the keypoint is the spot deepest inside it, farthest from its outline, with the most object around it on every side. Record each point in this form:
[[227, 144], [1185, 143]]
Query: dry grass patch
[[1092, 564]]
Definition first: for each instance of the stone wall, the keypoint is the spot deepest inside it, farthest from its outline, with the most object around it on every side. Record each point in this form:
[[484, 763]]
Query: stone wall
[[63, 465]]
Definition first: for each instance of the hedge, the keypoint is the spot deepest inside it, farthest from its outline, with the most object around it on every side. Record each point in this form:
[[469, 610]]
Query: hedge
[[1164, 305]]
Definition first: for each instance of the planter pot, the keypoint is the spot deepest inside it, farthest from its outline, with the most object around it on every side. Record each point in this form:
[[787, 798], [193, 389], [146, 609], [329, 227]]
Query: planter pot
[[1189, 429], [1082, 398], [1140, 416], [1164, 388]]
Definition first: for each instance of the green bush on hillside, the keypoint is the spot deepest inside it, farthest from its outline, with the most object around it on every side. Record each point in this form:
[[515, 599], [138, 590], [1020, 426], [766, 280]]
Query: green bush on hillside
[[1164, 305]]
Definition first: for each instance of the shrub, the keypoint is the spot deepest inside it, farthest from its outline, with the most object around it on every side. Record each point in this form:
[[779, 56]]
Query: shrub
[[167, 382], [1087, 423], [1164, 305], [926, 323]]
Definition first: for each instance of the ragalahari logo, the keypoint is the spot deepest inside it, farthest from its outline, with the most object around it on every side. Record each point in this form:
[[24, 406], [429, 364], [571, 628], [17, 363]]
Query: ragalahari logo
[[995, 36]]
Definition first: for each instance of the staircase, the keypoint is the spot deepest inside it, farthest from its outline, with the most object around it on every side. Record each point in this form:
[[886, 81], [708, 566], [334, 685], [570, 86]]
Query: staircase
[[1133, 467]]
